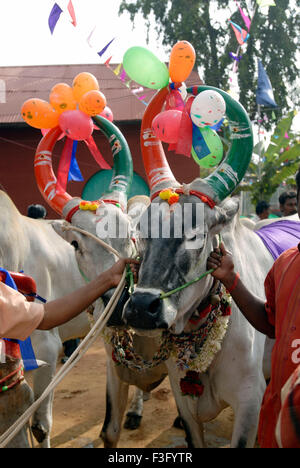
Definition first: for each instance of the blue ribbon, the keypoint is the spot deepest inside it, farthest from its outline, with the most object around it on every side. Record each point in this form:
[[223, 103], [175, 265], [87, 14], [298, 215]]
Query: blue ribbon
[[74, 171], [26, 348]]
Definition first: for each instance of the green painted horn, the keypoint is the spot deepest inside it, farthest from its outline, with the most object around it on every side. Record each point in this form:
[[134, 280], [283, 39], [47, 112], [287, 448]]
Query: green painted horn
[[123, 168], [227, 176]]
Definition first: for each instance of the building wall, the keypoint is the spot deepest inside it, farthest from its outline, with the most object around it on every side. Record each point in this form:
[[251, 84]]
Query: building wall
[[17, 149]]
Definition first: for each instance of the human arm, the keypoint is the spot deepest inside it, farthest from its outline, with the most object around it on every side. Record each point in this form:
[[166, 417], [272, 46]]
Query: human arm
[[251, 306], [63, 309]]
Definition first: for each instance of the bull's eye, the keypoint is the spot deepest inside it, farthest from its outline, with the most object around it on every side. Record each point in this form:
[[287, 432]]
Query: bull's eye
[[75, 245]]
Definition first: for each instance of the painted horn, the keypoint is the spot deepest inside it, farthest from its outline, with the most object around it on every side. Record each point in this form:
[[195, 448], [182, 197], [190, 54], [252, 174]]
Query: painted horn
[[47, 182], [227, 176], [123, 168], [157, 169]]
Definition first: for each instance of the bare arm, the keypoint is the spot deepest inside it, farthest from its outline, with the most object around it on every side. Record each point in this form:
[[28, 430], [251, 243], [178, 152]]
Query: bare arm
[[67, 307], [252, 307]]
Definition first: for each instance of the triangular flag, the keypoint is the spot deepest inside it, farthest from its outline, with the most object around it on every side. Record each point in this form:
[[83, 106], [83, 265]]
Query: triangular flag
[[72, 13], [246, 19], [88, 39], [123, 75], [240, 33], [54, 16], [264, 92], [117, 69], [105, 48], [265, 3], [107, 61], [286, 135]]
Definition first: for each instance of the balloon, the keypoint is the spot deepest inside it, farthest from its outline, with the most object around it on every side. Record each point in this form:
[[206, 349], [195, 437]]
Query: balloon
[[142, 66], [92, 103], [61, 98], [39, 114], [46, 130], [107, 114], [174, 100], [208, 108], [76, 124], [207, 149], [166, 125], [82, 83], [182, 61]]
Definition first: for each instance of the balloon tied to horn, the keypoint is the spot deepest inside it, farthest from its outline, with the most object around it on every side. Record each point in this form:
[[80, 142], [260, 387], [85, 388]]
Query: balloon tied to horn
[[188, 120], [74, 112]]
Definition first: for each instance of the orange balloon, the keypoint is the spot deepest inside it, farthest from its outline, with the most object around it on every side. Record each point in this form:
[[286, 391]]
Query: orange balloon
[[182, 61], [61, 98], [39, 114], [92, 103], [83, 83]]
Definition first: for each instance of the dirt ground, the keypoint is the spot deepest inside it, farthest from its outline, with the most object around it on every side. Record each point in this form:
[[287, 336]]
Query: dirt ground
[[79, 411]]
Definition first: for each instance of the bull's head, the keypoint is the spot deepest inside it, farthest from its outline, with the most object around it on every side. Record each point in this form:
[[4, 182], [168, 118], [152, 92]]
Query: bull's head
[[110, 221], [177, 254]]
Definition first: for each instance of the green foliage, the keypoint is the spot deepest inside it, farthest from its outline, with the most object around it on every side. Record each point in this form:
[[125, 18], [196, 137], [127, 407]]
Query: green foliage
[[273, 39], [278, 164]]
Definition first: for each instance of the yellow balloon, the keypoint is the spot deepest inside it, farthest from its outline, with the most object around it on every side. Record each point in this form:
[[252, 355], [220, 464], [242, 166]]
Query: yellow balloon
[[39, 114], [83, 83], [92, 103], [61, 98]]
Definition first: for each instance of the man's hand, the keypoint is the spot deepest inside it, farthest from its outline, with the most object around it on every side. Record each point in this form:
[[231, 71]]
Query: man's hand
[[116, 271], [220, 260]]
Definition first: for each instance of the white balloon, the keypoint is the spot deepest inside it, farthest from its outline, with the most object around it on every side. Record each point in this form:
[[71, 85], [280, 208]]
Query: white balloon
[[208, 108]]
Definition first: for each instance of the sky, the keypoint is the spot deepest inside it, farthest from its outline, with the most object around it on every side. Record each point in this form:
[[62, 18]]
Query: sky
[[26, 38]]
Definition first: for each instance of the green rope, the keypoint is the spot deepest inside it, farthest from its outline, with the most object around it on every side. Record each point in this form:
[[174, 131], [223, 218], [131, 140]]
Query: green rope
[[83, 275], [130, 280], [186, 285]]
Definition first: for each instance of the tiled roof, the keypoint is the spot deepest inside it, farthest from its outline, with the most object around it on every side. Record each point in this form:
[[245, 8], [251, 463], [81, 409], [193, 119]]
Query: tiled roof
[[21, 83]]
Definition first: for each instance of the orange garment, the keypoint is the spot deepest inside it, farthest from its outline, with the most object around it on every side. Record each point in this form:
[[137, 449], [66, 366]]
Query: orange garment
[[282, 286], [18, 318]]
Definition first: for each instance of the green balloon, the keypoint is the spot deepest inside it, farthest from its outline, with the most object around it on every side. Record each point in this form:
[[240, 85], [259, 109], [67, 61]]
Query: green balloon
[[142, 66], [215, 146]]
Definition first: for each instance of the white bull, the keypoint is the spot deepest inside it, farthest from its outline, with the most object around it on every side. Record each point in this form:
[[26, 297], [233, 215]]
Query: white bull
[[34, 247], [92, 258], [227, 370]]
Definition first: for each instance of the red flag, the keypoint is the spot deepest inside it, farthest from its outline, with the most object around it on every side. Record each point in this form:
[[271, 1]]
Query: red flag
[[72, 13]]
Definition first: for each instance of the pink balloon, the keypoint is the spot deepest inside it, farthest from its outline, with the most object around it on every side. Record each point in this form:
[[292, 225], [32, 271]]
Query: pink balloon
[[166, 125], [107, 113], [76, 124]]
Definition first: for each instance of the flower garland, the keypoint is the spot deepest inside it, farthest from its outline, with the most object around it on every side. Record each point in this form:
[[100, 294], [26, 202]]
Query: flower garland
[[192, 351]]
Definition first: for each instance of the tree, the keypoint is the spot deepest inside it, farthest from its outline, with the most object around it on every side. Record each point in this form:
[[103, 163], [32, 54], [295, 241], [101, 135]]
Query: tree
[[278, 163], [273, 39]]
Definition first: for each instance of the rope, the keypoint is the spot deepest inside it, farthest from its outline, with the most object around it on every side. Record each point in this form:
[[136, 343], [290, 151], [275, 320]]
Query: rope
[[186, 285], [65, 227], [73, 359], [189, 283]]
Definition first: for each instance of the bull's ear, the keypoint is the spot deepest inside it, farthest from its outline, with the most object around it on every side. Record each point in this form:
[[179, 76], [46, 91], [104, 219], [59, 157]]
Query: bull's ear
[[58, 228], [136, 207], [223, 215]]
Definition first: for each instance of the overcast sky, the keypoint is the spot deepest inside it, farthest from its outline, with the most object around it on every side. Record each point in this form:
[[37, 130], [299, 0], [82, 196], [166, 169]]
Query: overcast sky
[[26, 38]]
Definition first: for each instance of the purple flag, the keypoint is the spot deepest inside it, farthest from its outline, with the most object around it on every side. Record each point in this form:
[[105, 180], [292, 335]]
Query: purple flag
[[54, 17], [105, 48]]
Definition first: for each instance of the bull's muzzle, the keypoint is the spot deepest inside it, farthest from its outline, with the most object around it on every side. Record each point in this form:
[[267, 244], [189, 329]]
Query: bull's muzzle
[[144, 310]]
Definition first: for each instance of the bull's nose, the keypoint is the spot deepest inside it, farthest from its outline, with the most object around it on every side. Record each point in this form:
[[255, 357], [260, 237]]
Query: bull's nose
[[144, 310]]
